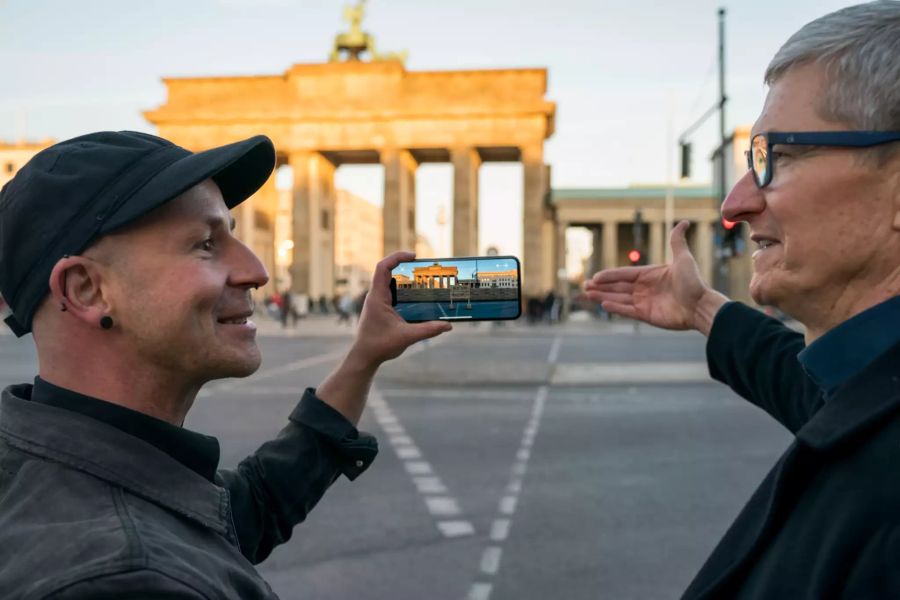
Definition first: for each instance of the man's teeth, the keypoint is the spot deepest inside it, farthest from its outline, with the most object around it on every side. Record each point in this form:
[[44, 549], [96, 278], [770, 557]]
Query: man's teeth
[[763, 244]]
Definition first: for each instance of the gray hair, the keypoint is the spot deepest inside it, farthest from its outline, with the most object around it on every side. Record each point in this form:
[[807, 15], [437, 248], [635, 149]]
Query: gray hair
[[859, 47]]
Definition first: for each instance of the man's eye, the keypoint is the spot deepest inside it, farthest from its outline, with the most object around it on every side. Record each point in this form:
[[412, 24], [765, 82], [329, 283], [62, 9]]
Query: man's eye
[[206, 245], [780, 155]]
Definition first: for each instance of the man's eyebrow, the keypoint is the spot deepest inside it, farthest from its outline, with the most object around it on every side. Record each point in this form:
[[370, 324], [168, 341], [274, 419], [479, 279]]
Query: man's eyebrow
[[217, 222]]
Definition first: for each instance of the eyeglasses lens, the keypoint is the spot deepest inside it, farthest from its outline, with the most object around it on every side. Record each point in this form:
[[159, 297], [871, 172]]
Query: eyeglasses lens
[[759, 150]]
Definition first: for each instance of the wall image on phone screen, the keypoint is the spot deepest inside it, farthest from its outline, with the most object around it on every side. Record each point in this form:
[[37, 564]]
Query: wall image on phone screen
[[458, 289]]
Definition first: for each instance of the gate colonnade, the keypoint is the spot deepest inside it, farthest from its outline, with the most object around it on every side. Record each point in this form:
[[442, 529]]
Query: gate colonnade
[[321, 116]]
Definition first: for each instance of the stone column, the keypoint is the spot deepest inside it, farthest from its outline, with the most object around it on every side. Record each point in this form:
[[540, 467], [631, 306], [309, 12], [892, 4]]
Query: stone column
[[466, 163], [657, 243], [596, 262], [399, 208], [704, 241], [312, 271], [535, 281], [610, 244]]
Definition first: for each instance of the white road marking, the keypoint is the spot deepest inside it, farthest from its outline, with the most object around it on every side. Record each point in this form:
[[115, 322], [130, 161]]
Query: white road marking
[[480, 591], [452, 529], [430, 485], [500, 527], [421, 472], [455, 393], [393, 428], [400, 440], [499, 530], [407, 452], [631, 372], [418, 468], [442, 506], [490, 560], [554, 350], [508, 505]]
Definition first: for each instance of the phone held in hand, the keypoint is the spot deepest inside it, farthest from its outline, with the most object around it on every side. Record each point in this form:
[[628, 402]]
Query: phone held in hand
[[477, 288]]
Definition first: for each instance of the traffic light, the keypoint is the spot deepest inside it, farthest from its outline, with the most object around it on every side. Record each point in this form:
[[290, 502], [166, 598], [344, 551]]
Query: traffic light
[[685, 160], [634, 257]]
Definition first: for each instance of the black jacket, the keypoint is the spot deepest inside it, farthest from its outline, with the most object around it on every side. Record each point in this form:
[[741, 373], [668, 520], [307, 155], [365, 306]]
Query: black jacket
[[89, 511], [825, 522]]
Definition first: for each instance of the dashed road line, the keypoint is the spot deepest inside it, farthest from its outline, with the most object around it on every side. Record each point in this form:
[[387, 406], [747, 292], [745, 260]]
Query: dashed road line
[[554, 350], [441, 505], [491, 556]]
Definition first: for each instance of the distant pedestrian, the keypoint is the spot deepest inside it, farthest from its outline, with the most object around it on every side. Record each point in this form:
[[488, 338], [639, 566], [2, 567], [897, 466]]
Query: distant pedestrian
[[288, 311]]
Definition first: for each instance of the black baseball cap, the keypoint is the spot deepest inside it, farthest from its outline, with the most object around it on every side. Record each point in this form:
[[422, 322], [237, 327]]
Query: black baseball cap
[[73, 192]]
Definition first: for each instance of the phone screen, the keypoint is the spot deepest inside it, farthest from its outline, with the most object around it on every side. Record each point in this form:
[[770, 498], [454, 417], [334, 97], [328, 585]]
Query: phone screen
[[480, 288]]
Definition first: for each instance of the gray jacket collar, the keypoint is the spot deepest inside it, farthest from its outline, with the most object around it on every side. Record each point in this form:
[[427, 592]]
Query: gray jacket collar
[[107, 453]]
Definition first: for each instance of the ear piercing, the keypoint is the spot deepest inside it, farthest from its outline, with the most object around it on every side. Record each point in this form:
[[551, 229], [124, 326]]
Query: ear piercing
[[106, 322]]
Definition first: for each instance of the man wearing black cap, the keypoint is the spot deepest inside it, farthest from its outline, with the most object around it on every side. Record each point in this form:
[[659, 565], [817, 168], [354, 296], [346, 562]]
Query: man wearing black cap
[[117, 253]]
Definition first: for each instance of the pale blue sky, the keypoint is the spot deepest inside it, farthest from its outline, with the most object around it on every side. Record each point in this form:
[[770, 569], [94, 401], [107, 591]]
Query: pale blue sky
[[618, 70]]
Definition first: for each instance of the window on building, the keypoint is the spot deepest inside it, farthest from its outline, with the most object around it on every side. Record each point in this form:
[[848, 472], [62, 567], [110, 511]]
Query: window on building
[[324, 219], [10, 167]]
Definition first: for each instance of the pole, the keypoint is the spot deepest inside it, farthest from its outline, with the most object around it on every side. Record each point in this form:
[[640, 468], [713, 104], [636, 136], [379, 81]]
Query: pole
[[670, 192], [722, 100], [722, 259]]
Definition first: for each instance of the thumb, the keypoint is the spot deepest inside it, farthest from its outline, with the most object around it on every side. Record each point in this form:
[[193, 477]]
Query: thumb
[[431, 329], [678, 241]]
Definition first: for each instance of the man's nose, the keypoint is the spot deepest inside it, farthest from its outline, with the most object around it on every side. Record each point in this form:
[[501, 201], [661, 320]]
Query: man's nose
[[248, 270], [744, 199]]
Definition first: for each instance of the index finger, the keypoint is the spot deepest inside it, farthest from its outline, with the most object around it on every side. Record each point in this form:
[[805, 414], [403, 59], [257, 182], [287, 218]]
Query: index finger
[[629, 274], [381, 280]]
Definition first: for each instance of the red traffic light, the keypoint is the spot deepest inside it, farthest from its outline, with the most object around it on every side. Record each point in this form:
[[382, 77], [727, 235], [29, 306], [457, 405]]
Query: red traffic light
[[634, 256], [729, 225]]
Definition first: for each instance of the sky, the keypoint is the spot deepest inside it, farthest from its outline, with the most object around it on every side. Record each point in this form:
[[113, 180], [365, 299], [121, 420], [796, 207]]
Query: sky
[[627, 75]]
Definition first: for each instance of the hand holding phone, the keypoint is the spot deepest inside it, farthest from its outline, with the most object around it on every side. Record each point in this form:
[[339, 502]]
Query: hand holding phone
[[478, 288]]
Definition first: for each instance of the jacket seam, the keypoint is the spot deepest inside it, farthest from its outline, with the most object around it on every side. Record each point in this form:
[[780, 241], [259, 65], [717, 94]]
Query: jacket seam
[[135, 548]]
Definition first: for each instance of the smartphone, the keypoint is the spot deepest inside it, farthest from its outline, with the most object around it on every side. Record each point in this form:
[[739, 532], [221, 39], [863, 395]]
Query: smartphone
[[477, 288]]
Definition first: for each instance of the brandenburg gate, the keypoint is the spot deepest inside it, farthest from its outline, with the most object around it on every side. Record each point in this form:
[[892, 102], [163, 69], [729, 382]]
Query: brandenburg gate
[[321, 116]]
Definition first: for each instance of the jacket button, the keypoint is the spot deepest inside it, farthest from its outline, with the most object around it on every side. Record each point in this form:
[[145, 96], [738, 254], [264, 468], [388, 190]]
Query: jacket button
[[359, 464]]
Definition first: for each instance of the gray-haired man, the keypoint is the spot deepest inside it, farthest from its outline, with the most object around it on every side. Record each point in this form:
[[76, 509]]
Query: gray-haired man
[[822, 199]]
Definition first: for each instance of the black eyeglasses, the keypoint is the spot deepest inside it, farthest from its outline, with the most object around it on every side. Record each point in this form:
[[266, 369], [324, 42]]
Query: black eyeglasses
[[759, 158]]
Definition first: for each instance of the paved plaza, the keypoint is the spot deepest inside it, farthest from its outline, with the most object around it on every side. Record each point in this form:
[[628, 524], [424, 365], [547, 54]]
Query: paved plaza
[[579, 461]]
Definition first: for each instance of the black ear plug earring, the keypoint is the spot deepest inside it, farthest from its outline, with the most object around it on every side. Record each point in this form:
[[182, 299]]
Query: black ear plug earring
[[106, 322]]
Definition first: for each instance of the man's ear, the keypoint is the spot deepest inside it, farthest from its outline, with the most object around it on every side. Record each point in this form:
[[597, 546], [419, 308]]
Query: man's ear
[[76, 287]]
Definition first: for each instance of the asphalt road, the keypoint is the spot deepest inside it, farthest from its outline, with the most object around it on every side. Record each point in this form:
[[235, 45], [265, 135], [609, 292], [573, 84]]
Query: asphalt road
[[578, 462]]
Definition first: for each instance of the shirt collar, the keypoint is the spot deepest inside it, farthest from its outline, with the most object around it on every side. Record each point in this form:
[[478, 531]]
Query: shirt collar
[[852, 346], [198, 452]]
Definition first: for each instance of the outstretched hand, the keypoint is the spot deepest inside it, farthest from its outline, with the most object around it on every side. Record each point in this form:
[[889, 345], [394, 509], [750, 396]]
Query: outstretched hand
[[671, 296], [382, 333]]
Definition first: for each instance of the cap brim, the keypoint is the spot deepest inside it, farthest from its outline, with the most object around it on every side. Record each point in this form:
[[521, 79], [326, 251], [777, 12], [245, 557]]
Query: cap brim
[[239, 169]]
